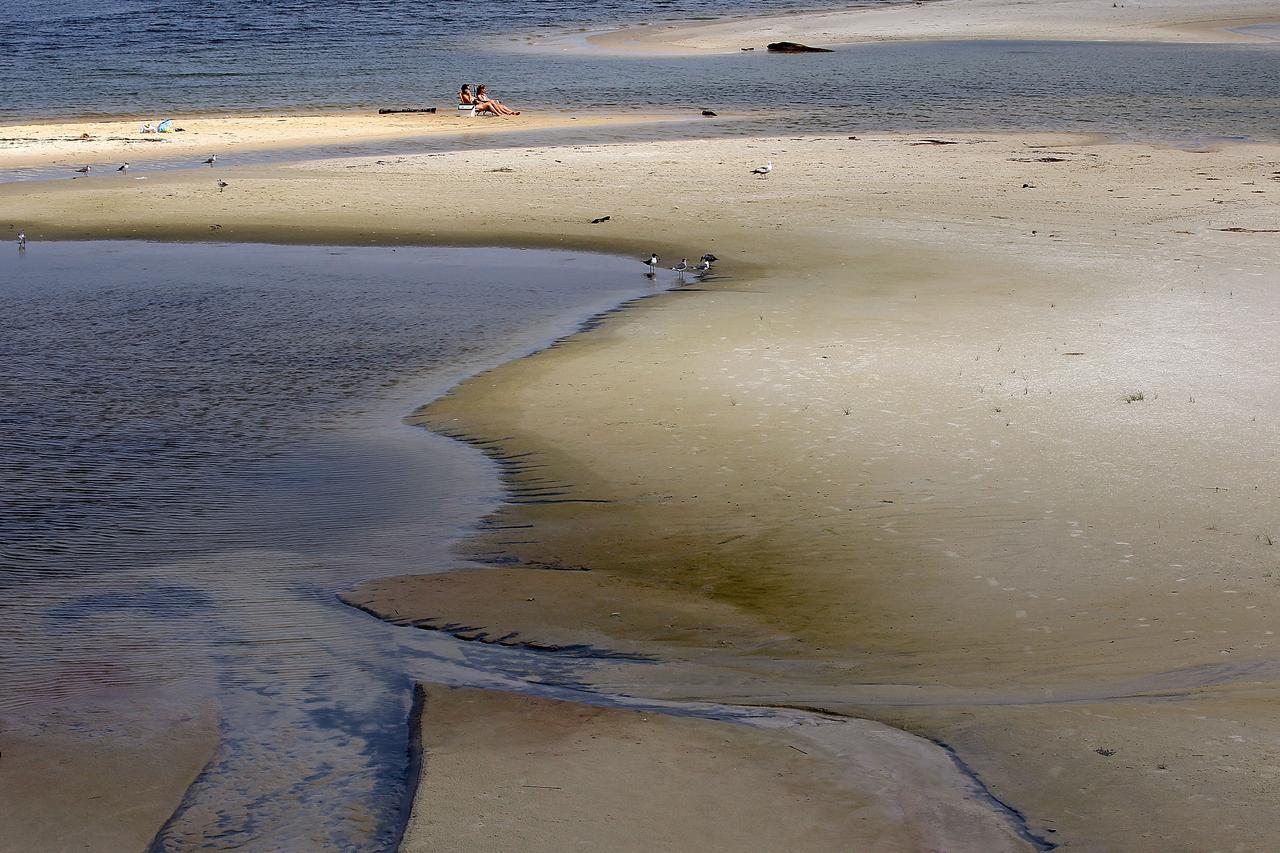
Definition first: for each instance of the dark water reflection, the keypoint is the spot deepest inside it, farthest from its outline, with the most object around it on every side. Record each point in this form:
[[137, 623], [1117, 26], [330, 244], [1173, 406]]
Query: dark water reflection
[[199, 445]]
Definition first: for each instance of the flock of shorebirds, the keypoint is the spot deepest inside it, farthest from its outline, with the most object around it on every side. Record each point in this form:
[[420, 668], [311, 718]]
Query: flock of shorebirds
[[124, 168], [701, 269]]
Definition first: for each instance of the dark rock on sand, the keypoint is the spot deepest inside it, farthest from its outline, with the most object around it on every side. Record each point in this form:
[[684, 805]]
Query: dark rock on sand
[[795, 47], [709, 113]]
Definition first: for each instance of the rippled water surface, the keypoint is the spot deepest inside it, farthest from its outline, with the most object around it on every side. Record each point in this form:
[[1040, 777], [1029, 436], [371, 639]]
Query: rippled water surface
[[77, 56], [199, 445], [151, 57]]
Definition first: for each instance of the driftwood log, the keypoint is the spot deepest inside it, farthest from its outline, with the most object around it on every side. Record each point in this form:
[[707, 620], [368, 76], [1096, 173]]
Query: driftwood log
[[795, 47]]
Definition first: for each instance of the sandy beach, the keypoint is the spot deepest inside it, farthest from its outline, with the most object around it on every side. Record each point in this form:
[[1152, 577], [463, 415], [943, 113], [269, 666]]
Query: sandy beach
[[1178, 21], [95, 141], [941, 516], [536, 774], [972, 435]]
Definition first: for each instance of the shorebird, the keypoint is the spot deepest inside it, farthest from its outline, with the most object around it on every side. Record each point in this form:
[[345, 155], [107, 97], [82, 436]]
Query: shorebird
[[22, 239], [682, 267], [85, 170], [222, 185], [123, 168], [703, 268], [710, 258], [763, 170], [213, 158], [652, 263]]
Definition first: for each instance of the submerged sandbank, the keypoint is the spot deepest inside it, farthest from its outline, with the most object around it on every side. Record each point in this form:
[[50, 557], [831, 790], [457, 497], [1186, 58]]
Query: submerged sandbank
[[896, 444], [1180, 21]]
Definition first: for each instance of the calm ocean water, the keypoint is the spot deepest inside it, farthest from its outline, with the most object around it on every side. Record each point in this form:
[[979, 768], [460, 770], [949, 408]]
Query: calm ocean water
[[152, 57], [88, 56]]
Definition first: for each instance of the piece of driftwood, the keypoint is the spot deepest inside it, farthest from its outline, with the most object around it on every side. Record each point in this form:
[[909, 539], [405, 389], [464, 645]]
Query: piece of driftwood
[[1236, 229], [388, 110], [795, 47]]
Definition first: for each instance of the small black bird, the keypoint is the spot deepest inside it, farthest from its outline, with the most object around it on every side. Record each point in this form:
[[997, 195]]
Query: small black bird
[[213, 158]]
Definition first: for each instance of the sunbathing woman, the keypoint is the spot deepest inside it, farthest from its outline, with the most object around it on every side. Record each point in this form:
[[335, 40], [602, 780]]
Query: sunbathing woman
[[496, 107]]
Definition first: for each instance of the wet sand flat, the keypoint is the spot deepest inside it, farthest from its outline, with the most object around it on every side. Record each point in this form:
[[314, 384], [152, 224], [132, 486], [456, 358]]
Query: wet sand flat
[[62, 792], [505, 772], [973, 438]]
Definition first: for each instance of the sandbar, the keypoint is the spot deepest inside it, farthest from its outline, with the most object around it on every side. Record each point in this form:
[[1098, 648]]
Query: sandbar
[[1180, 21], [95, 141]]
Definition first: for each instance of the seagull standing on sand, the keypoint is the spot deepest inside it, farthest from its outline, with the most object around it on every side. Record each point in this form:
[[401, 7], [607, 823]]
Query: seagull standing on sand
[[222, 185], [85, 170], [213, 158], [703, 268], [763, 170], [682, 267], [710, 258], [123, 168], [652, 262]]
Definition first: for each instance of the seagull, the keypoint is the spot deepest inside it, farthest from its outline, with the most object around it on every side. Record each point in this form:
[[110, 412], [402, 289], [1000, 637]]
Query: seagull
[[85, 170], [212, 159], [652, 262], [22, 239], [703, 268], [682, 266], [222, 185], [763, 170], [710, 258], [123, 168]]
